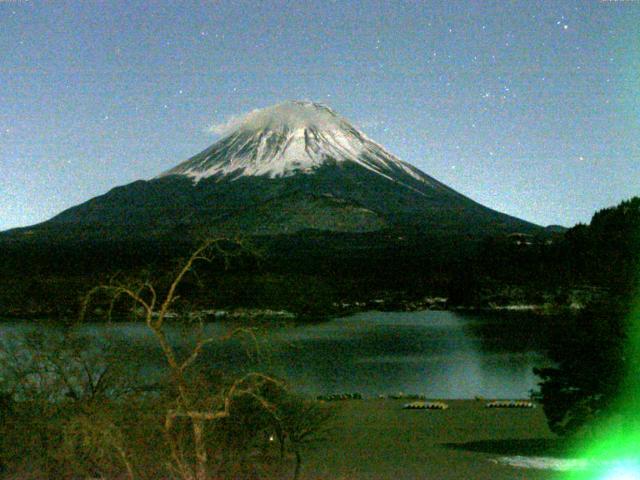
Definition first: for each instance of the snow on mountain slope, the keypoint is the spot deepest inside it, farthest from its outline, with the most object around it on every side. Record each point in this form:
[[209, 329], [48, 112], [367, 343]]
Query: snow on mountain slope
[[293, 137]]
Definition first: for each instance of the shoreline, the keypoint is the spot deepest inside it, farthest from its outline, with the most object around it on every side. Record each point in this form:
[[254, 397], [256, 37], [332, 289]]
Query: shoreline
[[240, 314]]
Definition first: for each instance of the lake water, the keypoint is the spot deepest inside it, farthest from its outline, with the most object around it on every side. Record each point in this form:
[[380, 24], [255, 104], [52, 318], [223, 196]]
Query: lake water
[[438, 354]]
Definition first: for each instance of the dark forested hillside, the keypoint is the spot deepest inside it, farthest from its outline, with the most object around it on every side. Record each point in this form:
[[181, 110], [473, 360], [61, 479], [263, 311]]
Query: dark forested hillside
[[595, 351], [602, 256], [312, 270]]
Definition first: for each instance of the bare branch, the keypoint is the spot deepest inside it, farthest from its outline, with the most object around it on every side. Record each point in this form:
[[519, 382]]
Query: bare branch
[[144, 294], [177, 457], [197, 255], [195, 353], [115, 292]]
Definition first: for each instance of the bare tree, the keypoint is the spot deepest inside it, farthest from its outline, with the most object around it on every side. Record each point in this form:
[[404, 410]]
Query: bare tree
[[188, 403], [301, 423]]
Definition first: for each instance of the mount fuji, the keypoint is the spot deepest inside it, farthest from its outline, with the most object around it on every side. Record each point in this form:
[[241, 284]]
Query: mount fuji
[[288, 169]]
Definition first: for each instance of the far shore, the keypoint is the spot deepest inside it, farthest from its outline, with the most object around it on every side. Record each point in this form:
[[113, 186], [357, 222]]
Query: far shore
[[239, 314]]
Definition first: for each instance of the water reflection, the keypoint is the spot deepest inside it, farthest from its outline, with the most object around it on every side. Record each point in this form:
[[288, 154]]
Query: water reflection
[[439, 354]]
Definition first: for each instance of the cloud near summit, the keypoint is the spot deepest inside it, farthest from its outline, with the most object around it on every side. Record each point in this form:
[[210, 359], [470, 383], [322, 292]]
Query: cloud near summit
[[289, 114], [231, 123]]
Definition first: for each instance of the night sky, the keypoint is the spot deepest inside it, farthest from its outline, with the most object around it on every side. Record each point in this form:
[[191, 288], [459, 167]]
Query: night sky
[[531, 108]]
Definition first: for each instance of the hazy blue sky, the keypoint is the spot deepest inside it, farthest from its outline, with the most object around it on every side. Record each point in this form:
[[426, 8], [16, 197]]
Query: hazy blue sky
[[531, 108]]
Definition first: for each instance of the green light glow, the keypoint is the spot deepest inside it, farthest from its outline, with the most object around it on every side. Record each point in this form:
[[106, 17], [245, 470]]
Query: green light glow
[[622, 473], [613, 449]]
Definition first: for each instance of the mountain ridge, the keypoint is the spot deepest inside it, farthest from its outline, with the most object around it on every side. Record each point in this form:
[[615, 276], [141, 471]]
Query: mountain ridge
[[294, 150]]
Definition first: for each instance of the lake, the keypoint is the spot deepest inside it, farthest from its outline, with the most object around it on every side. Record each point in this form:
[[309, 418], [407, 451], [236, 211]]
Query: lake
[[439, 354]]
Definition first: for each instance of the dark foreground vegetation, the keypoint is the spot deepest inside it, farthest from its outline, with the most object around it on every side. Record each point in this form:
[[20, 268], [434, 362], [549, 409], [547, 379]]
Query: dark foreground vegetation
[[78, 416], [72, 409]]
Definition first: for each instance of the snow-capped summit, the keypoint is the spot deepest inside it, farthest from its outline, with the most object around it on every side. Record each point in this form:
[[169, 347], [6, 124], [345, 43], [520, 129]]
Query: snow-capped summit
[[289, 138], [290, 115]]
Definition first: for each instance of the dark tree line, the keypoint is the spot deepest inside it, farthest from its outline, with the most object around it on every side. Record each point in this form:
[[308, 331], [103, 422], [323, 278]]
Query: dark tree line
[[593, 350]]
